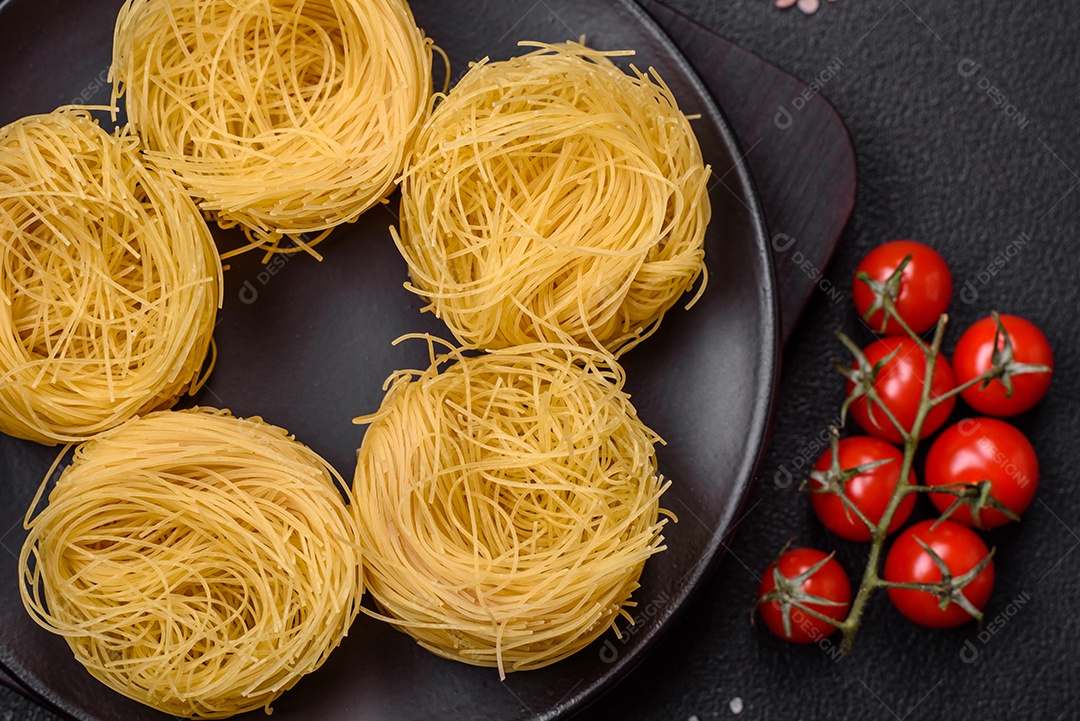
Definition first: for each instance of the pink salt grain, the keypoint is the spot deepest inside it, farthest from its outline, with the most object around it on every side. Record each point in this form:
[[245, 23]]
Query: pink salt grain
[[809, 7]]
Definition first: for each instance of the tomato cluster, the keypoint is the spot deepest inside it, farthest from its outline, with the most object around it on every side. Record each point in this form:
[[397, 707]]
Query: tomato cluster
[[983, 471]]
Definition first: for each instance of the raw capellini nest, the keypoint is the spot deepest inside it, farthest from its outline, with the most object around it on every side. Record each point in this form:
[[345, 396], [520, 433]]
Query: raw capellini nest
[[196, 562], [507, 504], [109, 280], [553, 197], [285, 117]]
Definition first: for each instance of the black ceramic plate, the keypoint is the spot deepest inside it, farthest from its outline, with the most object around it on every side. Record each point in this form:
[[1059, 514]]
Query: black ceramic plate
[[307, 345]]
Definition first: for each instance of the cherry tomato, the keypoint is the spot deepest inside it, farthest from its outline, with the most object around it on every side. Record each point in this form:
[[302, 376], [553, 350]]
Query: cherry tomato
[[829, 582], [869, 491], [899, 384], [973, 358], [977, 449], [961, 550], [925, 285]]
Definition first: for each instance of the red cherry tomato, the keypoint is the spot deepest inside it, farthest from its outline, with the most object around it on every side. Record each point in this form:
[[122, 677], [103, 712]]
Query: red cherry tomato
[[924, 291], [977, 449], [972, 359], [899, 384], [829, 582], [869, 491], [961, 550]]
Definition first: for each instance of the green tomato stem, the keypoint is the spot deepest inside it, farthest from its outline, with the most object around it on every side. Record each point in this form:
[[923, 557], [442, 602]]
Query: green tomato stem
[[986, 375], [871, 579]]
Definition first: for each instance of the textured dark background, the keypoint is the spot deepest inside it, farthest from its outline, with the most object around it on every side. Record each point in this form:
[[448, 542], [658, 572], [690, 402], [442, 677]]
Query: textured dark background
[[963, 117]]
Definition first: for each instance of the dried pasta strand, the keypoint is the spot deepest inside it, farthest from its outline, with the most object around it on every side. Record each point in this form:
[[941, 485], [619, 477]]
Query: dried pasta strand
[[507, 503], [109, 280], [553, 197], [196, 562], [284, 117]]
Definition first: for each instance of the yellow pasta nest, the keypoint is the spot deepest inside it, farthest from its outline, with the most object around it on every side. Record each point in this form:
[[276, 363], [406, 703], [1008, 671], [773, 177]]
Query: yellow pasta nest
[[285, 117], [196, 562], [507, 504], [553, 197], [109, 281]]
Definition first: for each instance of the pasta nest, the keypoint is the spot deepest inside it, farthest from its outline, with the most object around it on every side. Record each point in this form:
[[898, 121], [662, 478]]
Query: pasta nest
[[109, 281], [507, 504], [196, 562], [283, 117], [553, 197]]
